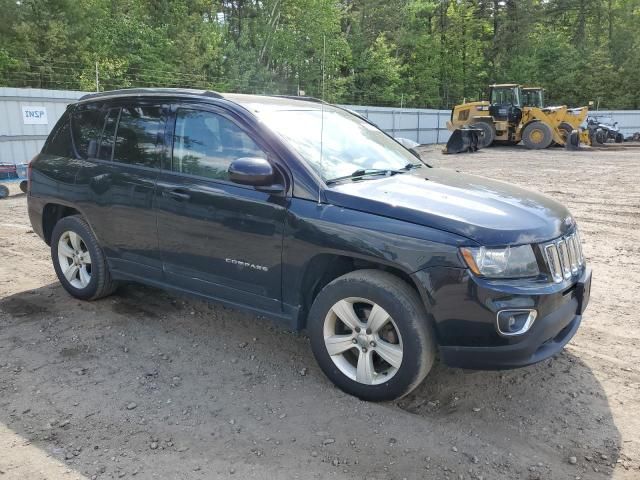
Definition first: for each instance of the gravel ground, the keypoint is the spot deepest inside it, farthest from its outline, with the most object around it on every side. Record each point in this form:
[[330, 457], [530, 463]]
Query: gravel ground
[[147, 384]]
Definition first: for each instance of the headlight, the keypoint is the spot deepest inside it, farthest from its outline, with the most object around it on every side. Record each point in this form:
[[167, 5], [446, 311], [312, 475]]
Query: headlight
[[504, 262]]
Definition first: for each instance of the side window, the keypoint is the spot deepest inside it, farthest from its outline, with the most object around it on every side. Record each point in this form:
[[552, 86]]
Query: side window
[[59, 141], [138, 136], [86, 124], [205, 144], [105, 150]]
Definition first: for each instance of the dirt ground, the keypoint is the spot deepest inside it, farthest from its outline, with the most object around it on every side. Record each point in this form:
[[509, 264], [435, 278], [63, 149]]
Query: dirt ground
[[146, 384]]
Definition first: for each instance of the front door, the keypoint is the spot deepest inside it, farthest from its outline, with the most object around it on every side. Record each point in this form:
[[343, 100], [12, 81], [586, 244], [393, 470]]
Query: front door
[[218, 238]]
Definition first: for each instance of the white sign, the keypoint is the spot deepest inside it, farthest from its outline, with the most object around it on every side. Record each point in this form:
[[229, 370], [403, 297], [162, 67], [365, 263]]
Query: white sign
[[34, 116]]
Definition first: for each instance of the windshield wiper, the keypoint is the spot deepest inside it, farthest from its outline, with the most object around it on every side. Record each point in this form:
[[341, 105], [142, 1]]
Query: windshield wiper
[[362, 173], [412, 166]]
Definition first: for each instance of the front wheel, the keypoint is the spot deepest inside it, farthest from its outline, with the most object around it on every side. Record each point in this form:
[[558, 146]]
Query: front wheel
[[79, 261], [371, 336], [488, 133], [537, 135]]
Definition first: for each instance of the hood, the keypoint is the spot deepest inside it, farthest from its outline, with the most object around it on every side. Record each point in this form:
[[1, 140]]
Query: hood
[[487, 211]]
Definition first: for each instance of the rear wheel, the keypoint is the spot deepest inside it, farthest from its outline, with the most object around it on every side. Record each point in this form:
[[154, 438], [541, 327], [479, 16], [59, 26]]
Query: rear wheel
[[4, 191], [537, 135], [23, 186], [488, 133], [619, 138], [79, 261], [370, 335]]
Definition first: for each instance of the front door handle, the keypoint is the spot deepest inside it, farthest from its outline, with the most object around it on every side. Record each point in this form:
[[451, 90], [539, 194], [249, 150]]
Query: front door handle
[[179, 195]]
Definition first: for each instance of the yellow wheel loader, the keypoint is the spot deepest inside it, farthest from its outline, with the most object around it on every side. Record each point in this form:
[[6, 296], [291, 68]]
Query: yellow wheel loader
[[505, 119], [571, 119]]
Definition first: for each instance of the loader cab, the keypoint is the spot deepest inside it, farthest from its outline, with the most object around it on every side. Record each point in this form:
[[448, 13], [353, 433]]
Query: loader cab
[[533, 97], [506, 103]]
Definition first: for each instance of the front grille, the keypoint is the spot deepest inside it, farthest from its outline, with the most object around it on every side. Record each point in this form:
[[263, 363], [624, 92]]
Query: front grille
[[564, 257]]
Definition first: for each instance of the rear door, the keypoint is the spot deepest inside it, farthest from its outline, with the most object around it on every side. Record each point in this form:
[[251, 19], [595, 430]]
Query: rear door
[[218, 238], [121, 179]]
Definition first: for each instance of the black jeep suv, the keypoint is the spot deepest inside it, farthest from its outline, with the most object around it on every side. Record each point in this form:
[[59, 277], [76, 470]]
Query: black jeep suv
[[307, 213]]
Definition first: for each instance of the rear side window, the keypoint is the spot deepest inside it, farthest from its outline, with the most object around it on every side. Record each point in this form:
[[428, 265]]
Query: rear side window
[[59, 141], [105, 150], [206, 143], [138, 136], [86, 124]]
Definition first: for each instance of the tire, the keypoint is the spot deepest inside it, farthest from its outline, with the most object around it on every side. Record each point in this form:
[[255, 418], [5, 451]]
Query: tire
[[599, 137], [4, 191], [572, 142], [565, 130], [619, 138], [537, 135], [23, 186], [488, 133], [407, 330], [74, 232]]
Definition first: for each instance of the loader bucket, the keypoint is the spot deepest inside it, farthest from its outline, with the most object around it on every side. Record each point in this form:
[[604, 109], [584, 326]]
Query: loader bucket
[[463, 140]]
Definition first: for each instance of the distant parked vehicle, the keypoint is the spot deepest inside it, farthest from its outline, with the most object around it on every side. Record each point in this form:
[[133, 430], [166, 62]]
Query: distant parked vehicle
[[602, 129], [12, 173], [305, 213]]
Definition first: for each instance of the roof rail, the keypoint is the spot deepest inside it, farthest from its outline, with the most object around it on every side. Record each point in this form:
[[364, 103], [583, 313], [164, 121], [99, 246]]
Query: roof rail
[[299, 97], [151, 92]]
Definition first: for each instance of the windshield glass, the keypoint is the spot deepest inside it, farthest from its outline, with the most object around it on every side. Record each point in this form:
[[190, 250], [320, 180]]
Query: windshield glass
[[350, 143], [533, 98], [505, 96]]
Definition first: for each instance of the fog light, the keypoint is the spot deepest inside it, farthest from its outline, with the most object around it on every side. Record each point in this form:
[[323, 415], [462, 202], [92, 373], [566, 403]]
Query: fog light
[[515, 322]]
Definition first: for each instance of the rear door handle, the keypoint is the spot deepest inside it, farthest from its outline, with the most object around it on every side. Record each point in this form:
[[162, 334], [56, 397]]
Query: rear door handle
[[179, 195]]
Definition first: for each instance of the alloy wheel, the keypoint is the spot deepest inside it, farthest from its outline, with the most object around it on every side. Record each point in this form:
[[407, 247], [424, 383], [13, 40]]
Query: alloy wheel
[[363, 341], [74, 259]]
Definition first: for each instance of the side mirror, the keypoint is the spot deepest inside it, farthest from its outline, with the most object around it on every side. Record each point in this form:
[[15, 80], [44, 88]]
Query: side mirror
[[256, 172]]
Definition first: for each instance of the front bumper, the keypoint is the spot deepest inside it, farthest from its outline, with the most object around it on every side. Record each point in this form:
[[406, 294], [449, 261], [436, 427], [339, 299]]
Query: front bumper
[[466, 329]]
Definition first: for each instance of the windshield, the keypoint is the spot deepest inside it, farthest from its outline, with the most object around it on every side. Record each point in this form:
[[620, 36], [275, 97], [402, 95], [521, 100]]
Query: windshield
[[350, 143], [533, 98], [505, 96]]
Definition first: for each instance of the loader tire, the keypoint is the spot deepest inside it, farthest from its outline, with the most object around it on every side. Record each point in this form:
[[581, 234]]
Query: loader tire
[[537, 135], [488, 133], [565, 130]]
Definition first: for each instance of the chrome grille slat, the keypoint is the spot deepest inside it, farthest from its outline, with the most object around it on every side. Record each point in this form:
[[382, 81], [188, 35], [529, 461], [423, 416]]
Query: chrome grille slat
[[564, 257], [573, 254], [579, 244], [553, 259]]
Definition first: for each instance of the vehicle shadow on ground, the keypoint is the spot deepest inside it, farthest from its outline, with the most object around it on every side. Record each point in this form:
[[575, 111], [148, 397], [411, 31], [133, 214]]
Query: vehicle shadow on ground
[[557, 404], [158, 382]]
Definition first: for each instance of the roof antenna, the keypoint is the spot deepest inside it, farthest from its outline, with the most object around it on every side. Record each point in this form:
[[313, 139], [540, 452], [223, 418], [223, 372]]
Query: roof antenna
[[324, 52]]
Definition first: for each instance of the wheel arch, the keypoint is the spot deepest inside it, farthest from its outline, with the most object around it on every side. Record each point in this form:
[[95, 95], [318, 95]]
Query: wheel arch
[[51, 214], [323, 268]]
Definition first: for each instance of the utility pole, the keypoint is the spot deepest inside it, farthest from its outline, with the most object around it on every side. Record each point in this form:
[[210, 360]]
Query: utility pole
[[97, 79]]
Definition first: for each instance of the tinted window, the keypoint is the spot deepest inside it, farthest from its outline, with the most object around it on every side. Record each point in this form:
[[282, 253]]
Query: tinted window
[[59, 141], [108, 132], [205, 144], [86, 124], [138, 135]]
